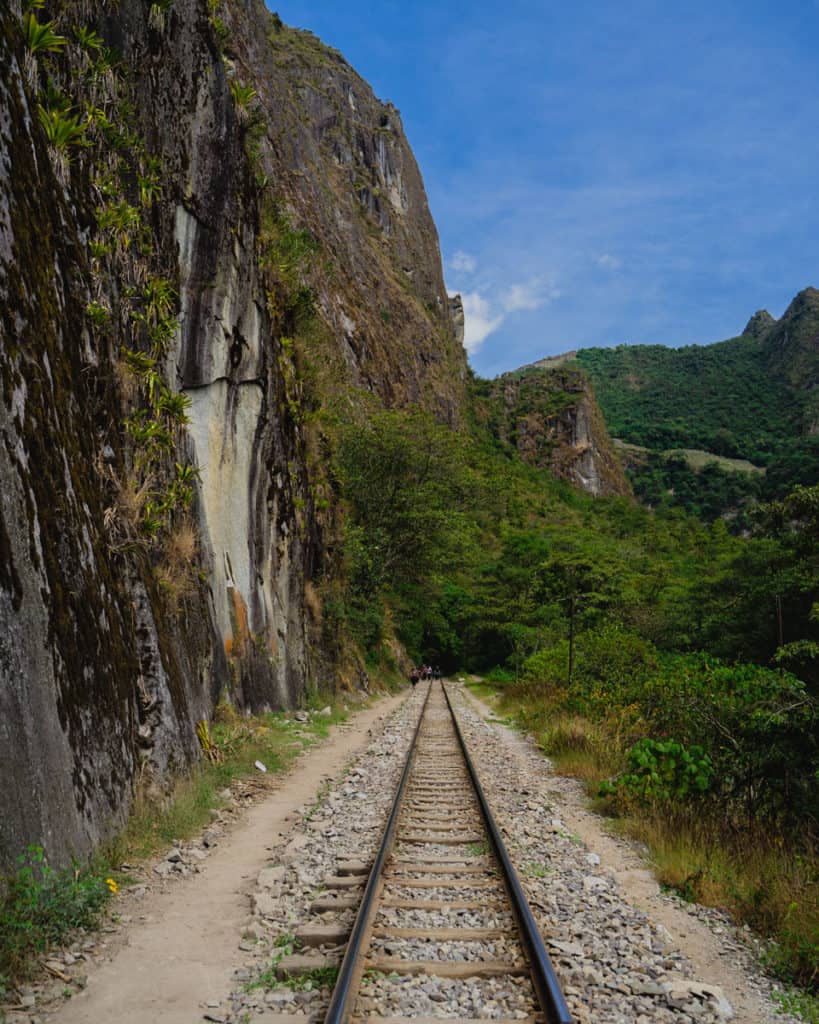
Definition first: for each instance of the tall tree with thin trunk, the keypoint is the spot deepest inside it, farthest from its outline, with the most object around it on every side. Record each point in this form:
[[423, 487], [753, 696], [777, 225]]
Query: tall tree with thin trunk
[[576, 583]]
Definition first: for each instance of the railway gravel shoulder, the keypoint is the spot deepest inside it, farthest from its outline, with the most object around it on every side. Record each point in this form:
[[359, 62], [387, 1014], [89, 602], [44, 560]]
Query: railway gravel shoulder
[[616, 963], [711, 949]]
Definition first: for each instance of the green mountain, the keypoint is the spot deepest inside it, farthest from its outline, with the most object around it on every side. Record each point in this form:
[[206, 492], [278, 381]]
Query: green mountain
[[753, 398]]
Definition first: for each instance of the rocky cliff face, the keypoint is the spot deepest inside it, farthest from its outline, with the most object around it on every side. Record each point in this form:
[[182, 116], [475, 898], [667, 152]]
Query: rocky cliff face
[[791, 348], [551, 417], [202, 236], [343, 170], [97, 686], [759, 323]]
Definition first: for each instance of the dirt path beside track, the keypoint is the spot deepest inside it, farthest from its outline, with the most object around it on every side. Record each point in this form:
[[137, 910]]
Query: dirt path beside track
[[179, 951]]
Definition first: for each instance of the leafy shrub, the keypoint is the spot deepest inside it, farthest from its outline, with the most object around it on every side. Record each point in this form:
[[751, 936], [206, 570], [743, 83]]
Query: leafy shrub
[[611, 666], [664, 770], [40, 907], [759, 727], [548, 667], [500, 675]]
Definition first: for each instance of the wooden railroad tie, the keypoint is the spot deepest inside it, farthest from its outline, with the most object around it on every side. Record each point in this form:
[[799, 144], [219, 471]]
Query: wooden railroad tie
[[447, 968]]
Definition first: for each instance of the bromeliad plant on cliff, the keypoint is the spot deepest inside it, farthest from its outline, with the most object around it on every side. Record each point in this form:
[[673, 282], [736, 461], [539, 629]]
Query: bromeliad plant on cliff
[[87, 118]]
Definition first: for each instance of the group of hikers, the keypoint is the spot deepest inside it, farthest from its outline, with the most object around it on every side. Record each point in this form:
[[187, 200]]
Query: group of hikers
[[424, 672]]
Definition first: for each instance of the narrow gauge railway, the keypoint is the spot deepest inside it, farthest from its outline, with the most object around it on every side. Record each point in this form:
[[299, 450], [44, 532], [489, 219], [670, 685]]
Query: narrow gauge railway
[[442, 897]]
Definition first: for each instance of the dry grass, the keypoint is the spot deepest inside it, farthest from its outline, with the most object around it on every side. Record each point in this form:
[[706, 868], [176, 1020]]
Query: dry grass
[[312, 602], [182, 543], [128, 382], [122, 518], [176, 572], [759, 877], [582, 749], [132, 497]]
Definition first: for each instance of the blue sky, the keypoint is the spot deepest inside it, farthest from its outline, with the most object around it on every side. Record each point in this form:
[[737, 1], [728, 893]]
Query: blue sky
[[602, 173]]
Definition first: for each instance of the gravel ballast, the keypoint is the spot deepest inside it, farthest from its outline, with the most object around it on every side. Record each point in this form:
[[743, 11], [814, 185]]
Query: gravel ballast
[[614, 963]]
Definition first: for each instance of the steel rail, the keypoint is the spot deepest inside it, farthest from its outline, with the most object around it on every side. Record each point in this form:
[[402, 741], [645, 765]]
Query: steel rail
[[543, 974], [344, 991]]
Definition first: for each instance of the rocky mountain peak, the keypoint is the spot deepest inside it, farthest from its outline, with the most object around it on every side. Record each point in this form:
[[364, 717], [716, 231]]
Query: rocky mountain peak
[[759, 323], [792, 343], [804, 304]]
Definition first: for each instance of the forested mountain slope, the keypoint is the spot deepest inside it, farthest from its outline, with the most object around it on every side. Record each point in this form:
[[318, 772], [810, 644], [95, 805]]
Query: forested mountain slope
[[753, 397]]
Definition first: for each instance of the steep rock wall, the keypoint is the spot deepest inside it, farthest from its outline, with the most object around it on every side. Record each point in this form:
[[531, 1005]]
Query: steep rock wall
[[87, 686], [551, 417], [107, 661], [343, 168]]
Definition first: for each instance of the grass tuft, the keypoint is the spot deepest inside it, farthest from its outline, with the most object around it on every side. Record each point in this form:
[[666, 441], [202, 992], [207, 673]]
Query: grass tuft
[[799, 1004], [285, 944]]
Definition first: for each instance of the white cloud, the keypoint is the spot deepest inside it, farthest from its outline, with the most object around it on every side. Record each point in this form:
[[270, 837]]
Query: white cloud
[[521, 296], [530, 295], [608, 262], [479, 321], [483, 316], [463, 263]]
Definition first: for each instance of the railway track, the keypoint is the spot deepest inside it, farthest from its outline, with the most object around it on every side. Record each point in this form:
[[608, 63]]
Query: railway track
[[442, 899]]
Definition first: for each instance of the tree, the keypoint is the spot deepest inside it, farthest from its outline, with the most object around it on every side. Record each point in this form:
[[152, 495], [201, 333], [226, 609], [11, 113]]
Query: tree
[[408, 487], [579, 584], [407, 484]]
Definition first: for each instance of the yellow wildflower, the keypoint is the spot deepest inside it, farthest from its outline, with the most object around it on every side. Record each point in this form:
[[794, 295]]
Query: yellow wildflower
[[112, 885]]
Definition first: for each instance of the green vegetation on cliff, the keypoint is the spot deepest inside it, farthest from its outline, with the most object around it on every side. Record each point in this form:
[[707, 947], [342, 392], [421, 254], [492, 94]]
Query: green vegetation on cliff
[[549, 418], [752, 397]]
